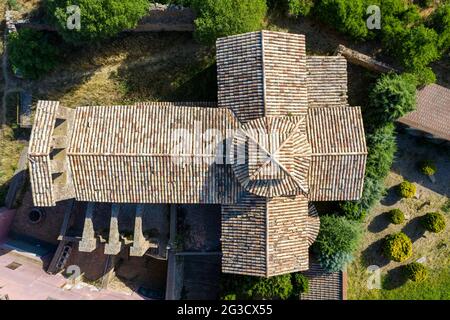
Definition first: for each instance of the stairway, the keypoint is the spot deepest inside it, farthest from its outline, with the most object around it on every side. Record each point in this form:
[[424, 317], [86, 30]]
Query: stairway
[[60, 257]]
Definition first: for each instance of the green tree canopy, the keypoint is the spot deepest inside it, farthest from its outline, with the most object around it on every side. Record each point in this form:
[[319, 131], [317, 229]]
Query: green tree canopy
[[392, 97], [219, 18], [100, 19], [32, 52]]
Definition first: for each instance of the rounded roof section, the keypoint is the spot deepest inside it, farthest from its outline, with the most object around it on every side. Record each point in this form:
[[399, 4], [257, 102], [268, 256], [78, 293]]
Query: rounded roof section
[[271, 156]]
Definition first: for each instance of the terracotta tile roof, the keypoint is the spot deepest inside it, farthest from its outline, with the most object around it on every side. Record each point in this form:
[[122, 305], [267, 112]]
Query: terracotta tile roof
[[262, 74], [323, 285], [133, 154], [432, 114], [326, 81], [267, 236], [277, 140], [39, 153], [339, 152], [277, 156]]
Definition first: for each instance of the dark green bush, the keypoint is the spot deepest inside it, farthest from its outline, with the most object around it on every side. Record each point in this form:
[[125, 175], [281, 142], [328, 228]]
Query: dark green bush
[[406, 189], [300, 7], [440, 22], [100, 19], [397, 247], [247, 287], [433, 222], [416, 272], [396, 216], [300, 284], [353, 210], [347, 16], [392, 97], [32, 52], [428, 168], [219, 18], [337, 234]]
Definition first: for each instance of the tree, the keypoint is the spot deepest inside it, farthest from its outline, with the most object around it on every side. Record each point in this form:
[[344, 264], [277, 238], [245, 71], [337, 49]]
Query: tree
[[300, 7], [440, 22], [337, 234], [348, 16], [219, 18], [392, 97], [248, 287], [32, 52], [99, 19]]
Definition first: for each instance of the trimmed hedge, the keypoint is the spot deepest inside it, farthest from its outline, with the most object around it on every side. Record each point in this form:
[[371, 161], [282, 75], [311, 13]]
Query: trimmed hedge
[[396, 216], [433, 222], [397, 247], [428, 167], [406, 189], [416, 272]]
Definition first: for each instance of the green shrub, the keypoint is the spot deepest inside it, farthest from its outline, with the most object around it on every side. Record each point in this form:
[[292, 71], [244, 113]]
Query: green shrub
[[247, 287], [335, 262], [100, 19], [446, 206], [433, 222], [336, 234], [300, 7], [416, 272], [440, 22], [407, 189], [347, 16], [300, 283], [353, 210], [425, 3], [428, 167], [396, 216], [397, 247], [219, 18], [392, 97], [32, 52]]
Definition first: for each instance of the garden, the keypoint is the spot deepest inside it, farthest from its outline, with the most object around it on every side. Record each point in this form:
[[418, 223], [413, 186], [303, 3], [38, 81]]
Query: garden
[[100, 64]]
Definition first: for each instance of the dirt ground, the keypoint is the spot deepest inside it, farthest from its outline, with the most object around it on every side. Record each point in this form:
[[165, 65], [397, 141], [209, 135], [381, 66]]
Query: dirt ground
[[430, 196]]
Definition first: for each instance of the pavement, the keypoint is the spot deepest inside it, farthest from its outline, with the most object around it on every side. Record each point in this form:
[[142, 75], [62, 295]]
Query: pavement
[[30, 282]]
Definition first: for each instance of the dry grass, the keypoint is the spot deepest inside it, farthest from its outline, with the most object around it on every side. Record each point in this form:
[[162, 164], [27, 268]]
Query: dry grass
[[9, 156], [130, 68], [435, 248]]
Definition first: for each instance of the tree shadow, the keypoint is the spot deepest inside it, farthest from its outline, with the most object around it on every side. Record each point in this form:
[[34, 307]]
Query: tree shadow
[[391, 196], [379, 223], [373, 254], [395, 278], [413, 229]]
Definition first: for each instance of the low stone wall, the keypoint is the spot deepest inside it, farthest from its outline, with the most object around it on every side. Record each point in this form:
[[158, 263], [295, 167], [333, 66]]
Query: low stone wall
[[159, 18], [363, 60]]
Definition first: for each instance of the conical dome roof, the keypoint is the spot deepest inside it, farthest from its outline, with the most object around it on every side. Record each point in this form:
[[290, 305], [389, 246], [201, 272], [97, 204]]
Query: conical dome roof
[[271, 155]]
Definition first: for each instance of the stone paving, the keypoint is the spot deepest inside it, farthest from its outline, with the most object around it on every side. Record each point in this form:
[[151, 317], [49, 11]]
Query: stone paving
[[30, 282]]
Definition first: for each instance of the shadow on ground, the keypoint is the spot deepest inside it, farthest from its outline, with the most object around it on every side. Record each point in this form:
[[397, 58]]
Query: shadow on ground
[[373, 255], [413, 229], [391, 196], [379, 223], [394, 279]]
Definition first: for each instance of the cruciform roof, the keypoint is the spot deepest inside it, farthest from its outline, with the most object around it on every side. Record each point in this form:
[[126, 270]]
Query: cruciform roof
[[281, 135]]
